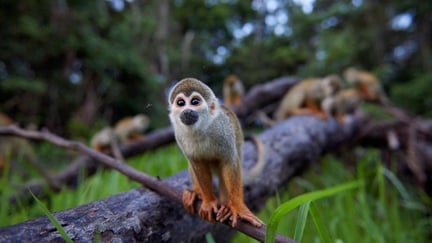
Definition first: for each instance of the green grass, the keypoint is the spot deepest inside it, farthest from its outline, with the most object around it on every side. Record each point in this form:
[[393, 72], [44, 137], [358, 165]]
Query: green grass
[[163, 162], [382, 209]]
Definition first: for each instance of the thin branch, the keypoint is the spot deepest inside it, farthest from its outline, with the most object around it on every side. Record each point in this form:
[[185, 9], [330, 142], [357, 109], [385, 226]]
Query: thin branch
[[150, 182]]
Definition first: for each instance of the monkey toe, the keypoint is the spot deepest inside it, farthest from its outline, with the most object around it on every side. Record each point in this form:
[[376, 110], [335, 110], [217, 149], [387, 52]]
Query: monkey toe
[[188, 200], [207, 210], [223, 213], [245, 215], [251, 218]]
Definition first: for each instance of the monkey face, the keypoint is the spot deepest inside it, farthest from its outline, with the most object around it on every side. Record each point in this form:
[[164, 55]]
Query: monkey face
[[331, 84], [190, 110]]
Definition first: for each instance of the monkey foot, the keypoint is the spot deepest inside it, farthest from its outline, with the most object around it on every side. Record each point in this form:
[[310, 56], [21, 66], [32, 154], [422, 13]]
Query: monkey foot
[[207, 210], [189, 199], [234, 215]]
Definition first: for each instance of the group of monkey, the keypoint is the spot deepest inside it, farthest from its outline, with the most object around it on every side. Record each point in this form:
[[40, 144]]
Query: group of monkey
[[210, 135], [323, 97], [326, 96], [211, 138]]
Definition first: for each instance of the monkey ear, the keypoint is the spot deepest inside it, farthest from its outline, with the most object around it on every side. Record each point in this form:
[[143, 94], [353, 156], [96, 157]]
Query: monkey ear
[[212, 107]]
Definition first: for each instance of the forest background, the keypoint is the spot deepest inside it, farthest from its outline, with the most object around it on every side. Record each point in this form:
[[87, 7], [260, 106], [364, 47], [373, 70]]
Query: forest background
[[77, 66], [74, 66]]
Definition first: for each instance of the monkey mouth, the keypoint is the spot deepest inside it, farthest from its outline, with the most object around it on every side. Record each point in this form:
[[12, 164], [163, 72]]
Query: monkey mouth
[[189, 117]]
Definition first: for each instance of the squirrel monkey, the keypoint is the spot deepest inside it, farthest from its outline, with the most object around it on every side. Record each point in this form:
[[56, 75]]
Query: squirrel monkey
[[129, 129], [367, 84], [210, 136], [233, 90], [306, 97], [344, 102], [101, 141], [126, 130]]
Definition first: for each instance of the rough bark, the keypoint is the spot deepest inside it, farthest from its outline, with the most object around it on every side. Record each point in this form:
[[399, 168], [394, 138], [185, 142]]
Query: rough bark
[[141, 215]]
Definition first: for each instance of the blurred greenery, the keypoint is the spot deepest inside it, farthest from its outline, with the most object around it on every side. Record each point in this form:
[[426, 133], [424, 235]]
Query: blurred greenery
[[76, 66], [382, 210], [63, 63]]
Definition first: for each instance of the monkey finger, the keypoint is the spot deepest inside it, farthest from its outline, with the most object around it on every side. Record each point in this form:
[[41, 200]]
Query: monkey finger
[[207, 215], [188, 200], [252, 219], [234, 219], [223, 214]]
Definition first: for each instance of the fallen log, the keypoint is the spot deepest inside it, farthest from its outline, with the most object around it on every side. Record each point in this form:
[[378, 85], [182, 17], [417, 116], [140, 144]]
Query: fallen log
[[142, 215], [259, 96]]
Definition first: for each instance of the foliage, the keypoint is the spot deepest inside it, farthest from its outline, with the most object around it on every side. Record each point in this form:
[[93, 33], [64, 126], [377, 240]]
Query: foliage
[[82, 61], [303, 201], [415, 95], [89, 190], [383, 210]]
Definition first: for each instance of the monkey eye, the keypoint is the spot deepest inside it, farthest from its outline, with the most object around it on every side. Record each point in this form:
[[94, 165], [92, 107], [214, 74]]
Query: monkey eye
[[195, 101], [181, 102]]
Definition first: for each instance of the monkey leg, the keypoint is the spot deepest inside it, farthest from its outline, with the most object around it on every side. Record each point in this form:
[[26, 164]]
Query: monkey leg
[[315, 109], [203, 186], [301, 111], [235, 208], [134, 137], [236, 100], [189, 196]]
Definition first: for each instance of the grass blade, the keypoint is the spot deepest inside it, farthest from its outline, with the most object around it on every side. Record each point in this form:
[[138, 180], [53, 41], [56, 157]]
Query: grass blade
[[301, 222], [297, 201], [397, 184], [319, 224], [52, 219]]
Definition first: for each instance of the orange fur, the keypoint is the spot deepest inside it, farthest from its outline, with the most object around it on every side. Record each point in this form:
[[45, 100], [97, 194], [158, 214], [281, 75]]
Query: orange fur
[[233, 90]]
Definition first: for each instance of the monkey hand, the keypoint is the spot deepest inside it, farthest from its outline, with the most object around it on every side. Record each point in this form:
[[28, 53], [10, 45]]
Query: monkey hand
[[207, 210], [189, 199], [235, 213]]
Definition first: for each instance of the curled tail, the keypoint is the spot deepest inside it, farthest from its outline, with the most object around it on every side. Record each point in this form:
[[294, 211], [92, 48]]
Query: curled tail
[[251, 175]]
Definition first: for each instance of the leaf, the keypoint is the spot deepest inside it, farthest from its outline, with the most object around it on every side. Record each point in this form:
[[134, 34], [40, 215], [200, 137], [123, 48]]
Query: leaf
[[301, 199], [301, 222], [52, 219], [319, 224]]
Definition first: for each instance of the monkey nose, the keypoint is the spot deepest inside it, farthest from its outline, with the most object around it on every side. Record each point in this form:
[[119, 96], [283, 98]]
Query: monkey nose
[[189, 117]]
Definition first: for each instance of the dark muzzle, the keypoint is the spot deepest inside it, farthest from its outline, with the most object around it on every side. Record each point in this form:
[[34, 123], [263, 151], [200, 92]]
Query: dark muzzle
[[189, 117]]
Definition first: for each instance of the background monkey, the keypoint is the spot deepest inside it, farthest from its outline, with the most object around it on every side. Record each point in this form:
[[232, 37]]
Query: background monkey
[[233, 90], [367, 85], [126, 130], [130, 129], [210, 136], [306, 97], [343, 103], [101, 141]]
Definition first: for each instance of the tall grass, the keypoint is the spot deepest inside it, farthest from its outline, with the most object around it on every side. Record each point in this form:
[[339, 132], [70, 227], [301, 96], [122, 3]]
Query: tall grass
[[163, 162], [382, 209]]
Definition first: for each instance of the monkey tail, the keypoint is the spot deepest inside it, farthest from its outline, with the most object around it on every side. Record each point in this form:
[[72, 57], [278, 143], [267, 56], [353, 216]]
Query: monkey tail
[[252, 174]]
